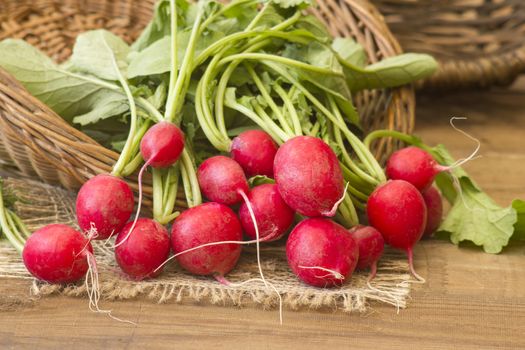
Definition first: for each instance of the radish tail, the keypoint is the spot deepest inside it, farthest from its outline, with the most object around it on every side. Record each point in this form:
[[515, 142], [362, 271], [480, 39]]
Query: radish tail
[[222, 280], [141, 172], [411, 266], [93, 289], [336, 205]]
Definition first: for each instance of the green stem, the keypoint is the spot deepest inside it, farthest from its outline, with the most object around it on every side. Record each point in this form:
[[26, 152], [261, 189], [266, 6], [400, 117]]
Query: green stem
[[277, 134], [6, 228], [409, 139], [189, 180], [178, 92], [157, 193], [170, 102], [279, 59], [148, 107], [128, 147], [291, 109], [266, 95]]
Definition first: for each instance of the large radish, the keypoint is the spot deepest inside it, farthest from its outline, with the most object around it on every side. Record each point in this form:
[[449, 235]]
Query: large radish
[[105, 203], [204, 224], [272, 214], [255, 151], [308, 176], [397, 210], [57, 253], [321, 253]]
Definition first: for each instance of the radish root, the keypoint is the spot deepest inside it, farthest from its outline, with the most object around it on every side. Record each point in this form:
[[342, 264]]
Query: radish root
[[411, 266], [93, 289], [139, 205], [336, 205]]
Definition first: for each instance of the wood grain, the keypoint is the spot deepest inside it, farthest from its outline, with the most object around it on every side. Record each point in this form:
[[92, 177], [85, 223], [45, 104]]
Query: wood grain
[[471, 300]]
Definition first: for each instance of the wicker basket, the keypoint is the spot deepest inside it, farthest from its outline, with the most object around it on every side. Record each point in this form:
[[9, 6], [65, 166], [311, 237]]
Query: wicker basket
[[43, 145], [478, 43]]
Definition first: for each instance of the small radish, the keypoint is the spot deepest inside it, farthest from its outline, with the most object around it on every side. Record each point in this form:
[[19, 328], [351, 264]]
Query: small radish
[[434, 204], [104, 202], [144, 250], [371, 246], [308, 176], [255, 151], [57, 254], [413, 165], [274, 217], [321, 253], [397, 210], [222, 180], [204, 224], [162, 145]]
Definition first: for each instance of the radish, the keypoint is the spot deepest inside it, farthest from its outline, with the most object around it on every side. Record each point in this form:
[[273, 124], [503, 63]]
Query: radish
[[274, 217], [162, 145], [434, 205], [222, 180], [104, 202], [321, 253], [414, 165], [255, 151], [204, 224], [308, 176], [57, 254], [371, 246], [397, 210], [144, 250]]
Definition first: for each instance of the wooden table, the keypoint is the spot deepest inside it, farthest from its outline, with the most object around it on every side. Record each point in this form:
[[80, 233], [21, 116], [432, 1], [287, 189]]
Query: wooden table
[[472, 300]]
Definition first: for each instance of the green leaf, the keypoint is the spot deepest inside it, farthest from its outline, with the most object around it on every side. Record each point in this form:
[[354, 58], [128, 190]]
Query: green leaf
[[159, 26], [390, 72], [474, 216], [67, 93], [350, 51], [519, 226], [155, 59], [100, 53], [108, 105]]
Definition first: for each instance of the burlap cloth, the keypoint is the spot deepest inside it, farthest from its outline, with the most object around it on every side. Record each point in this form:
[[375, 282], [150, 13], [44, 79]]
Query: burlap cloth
[[42, 204]]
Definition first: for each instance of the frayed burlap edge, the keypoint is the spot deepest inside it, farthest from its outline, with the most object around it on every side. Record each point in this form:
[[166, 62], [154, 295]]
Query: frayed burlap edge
[[41, 204]]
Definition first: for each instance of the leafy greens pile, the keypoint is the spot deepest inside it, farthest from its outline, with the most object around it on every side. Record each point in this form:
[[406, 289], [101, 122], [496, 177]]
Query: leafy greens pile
[[216, 70]]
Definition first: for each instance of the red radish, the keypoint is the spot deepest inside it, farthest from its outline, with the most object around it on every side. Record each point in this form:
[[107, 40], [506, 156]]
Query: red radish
[[309, 176], [321, 252], [254, 150], [397, 209], [57, 254], [104, 202], [371, 246], [272, 214], [434, 204], [203, 224], [413, 165], [222, 180], [162, 145], [144, 250]]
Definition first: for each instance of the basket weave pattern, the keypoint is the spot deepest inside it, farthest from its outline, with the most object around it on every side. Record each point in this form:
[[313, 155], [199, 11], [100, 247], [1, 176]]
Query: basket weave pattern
[[478, 43], [42, 145]]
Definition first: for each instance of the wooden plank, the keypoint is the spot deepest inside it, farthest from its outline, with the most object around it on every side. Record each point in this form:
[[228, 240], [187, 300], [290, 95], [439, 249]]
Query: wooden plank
[[471, 300]]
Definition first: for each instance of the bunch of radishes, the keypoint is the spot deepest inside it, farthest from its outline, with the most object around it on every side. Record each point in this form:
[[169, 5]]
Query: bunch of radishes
[[207, 239]]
